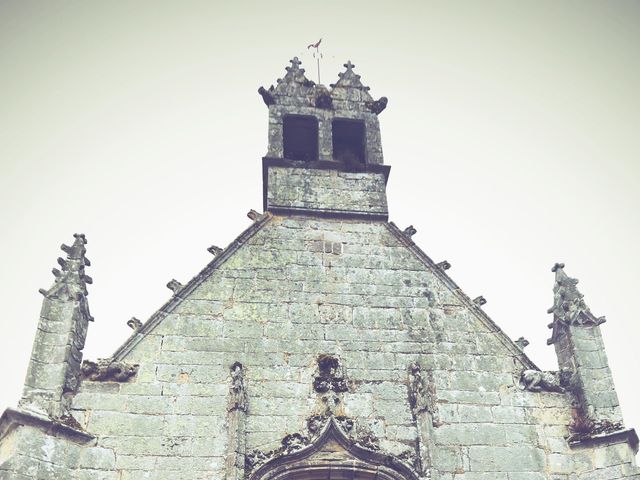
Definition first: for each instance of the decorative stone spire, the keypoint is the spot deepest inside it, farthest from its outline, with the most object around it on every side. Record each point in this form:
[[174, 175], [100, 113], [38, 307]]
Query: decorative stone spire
[[294, 83], [349, 79], [582, 359], [71, 281], [569, 307], [54, 369]]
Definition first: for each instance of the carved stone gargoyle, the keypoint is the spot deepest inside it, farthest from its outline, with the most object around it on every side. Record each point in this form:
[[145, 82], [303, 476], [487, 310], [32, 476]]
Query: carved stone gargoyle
[[105, 370], [539, 381]]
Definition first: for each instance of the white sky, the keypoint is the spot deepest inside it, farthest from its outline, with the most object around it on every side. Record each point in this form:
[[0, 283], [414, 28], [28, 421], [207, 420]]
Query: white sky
[[513, 132]]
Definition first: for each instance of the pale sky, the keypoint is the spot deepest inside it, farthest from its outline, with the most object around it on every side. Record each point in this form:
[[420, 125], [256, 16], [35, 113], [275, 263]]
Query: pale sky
[[513, 132]]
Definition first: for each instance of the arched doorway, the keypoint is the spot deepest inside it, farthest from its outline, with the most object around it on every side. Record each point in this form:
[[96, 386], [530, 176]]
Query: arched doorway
[[334, 456]]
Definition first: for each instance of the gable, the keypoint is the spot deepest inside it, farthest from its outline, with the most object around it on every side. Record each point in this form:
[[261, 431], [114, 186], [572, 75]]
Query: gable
[[332, 282]]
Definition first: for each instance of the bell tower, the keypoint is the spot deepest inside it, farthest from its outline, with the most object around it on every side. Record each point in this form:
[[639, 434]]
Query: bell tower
[[324, 155]]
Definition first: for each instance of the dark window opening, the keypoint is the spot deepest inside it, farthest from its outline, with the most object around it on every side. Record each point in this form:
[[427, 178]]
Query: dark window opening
[[348, 141], [300, 138]]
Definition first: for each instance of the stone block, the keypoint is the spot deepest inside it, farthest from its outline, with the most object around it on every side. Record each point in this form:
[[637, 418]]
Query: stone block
[[119, 423], [97, 458], [506, 459]]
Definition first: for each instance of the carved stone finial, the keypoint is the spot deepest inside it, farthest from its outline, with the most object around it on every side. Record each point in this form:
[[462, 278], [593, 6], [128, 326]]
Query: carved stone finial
[[521, 343], [70, 280], [237, 393], [444, 265], [569, 307], [174, 285], [254, 215], [295, 63], [538, 381], [480, 300], [350, 80], [215, 250], [410, 231], [293, 85], [134, 323]]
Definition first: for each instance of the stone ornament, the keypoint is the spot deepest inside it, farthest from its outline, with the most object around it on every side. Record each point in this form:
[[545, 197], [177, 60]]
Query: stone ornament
[[296, 89], [237, 393], [349, 79], [444, 265], [480, 300], [422, 393], [254, 215], [70, 280], [293, 85], [377, 106], [410, 231], [323, 98], [106, 370], [267, 95], [175, 286], [351, 452], [539, 381], [330, 376], [134, 323], [569, 307], [330, 381]]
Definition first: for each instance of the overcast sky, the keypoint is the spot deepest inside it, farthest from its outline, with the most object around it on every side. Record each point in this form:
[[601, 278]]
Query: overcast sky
[[513, 132]]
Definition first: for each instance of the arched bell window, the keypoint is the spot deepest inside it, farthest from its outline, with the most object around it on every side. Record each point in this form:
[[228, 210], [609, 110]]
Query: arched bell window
[[334, 456]]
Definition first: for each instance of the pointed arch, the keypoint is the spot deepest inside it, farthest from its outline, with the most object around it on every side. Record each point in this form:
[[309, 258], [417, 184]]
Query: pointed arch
[[333, 454]]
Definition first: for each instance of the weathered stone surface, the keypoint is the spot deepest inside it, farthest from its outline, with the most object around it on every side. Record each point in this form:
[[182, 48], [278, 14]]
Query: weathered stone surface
[[325, 191]]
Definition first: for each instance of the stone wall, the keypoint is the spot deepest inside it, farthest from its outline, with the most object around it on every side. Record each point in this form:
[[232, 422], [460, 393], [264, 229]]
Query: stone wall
[[326, 191], [296, 289]]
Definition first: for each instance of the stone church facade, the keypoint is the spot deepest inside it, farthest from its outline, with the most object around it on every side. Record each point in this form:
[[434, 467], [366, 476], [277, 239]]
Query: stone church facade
[[322, 343]]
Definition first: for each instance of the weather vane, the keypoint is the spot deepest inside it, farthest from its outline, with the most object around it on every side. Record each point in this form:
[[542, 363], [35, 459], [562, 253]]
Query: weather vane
[[317, 55]]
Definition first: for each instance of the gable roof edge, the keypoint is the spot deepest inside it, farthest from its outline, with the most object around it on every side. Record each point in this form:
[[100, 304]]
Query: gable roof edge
[[155, 319], [463, 297]]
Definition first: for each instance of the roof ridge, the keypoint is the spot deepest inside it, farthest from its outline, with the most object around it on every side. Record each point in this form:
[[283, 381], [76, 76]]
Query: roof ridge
[[157, 317], [457, 291]]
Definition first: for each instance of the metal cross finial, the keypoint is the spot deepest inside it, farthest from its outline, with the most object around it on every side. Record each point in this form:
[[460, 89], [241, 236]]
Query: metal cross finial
[[349, 65]]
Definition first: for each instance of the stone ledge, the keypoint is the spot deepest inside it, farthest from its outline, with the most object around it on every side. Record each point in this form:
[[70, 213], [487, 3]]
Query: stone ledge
[[604, 439], [287, 211], [325, 165], [13, 417]]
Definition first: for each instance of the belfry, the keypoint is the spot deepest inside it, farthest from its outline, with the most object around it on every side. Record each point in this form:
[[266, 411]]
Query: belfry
[[321, 344]]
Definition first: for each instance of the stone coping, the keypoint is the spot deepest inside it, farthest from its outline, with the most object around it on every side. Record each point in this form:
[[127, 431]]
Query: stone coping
[[12, 418], [325, 165]]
